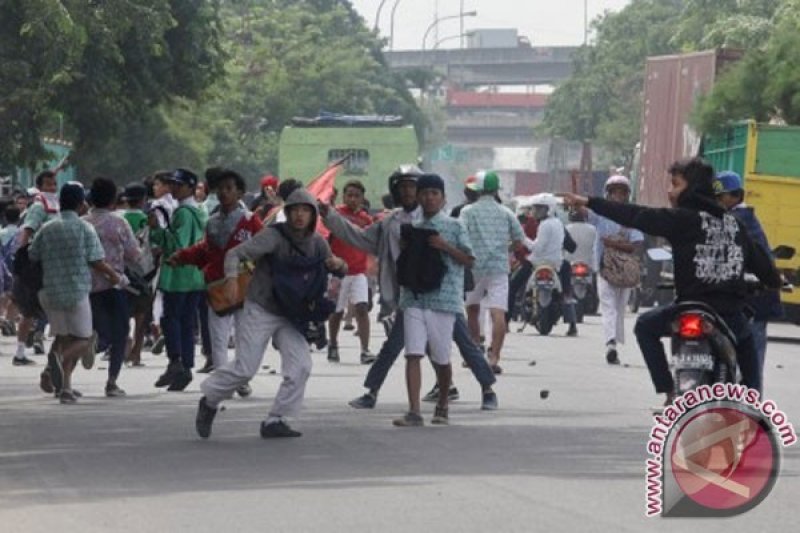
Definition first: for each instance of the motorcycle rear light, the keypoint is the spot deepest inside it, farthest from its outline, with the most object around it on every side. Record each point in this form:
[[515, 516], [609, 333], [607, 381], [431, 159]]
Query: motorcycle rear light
[[544, 275], [692, 326], [580, 270]]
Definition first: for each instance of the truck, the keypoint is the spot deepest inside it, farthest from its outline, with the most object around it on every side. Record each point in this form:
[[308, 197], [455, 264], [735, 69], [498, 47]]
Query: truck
[[766, 156], [376, 146]]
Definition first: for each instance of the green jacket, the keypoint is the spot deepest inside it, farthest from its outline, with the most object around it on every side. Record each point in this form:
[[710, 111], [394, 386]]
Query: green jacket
[[186, 227]]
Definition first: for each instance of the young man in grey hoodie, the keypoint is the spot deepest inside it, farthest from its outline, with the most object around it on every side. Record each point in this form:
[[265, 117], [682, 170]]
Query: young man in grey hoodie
[[263, 318], [383, 240]]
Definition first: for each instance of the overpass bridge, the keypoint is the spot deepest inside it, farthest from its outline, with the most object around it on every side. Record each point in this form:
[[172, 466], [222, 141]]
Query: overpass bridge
[[470, 67]]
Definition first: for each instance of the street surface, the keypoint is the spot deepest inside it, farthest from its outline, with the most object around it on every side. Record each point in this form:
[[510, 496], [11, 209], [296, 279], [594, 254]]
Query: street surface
[[571, 462]]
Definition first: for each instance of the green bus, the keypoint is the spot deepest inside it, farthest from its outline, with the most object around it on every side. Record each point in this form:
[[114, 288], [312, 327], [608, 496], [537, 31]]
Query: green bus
[[376, 148]]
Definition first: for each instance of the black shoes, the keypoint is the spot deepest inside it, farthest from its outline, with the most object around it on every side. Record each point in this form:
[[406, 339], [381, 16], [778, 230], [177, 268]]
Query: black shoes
[[204, 419], [277, 430], [333, 353], [366, 401], [172, 372], [572, 331], [180, 381], [611, 356], [22, 361]]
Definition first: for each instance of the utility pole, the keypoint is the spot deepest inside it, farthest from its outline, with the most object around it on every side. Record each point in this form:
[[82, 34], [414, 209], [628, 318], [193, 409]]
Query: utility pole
[[461, 20], [585, 22]]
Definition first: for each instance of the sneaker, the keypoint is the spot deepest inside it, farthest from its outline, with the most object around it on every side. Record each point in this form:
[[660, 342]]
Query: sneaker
[[180, 381], [333, 354], [572, 331], [38, 347], [113, 391], [367, 358], [440, 416], [367, 401], [204, 419], [166, 379], [158, 346], [87, 360], [23, 361], [409, 420], [67, 398], [46, 381], [611, 356], [148, 343], [489, 402], [433, 395], [276, 430], [75, 392], [244, 390], [349, 327]]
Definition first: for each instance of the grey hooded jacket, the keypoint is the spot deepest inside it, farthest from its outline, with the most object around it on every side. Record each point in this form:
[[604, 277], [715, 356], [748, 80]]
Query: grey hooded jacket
[[268, 242]]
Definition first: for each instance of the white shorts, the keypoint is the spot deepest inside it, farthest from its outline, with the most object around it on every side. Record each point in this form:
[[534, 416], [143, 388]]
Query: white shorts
[[353, 290], [75, 322], [431, 329], [494, 288]]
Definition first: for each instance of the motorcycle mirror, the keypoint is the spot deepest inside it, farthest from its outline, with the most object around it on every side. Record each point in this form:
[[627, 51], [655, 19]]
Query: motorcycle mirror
[[659, 254], [784, 252]]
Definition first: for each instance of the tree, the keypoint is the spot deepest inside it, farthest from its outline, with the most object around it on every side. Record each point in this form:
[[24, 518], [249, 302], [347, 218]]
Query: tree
[[98, 65]]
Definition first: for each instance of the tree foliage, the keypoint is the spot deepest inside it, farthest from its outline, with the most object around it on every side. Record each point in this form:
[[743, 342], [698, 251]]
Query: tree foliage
[[602, 101], [99, 65]]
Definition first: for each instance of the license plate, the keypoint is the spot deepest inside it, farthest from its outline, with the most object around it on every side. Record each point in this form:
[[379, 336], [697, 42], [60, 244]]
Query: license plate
[[700, 361]]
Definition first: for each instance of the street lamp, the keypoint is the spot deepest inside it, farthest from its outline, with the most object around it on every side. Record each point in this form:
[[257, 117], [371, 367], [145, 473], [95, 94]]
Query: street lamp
[[378, 14], [391, 28], [451, 38], [440, 19]]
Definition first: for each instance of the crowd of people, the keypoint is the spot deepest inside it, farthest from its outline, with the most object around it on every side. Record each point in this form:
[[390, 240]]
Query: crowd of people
[[190, 261]]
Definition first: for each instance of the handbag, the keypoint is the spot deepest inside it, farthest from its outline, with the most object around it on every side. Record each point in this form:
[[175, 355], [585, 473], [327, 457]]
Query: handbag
[[219, 301], [620, 269]]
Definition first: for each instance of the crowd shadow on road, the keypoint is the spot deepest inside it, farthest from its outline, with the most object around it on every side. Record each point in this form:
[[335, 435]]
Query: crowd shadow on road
[[103, 450]]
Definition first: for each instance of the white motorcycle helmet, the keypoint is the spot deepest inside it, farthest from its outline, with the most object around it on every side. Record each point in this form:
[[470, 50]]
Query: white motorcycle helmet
[[617, 181], [547, 200]]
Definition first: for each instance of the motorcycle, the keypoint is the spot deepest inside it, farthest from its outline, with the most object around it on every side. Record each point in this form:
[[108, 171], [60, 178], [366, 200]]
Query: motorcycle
[[542, 303], [583, 290], [703, 346]]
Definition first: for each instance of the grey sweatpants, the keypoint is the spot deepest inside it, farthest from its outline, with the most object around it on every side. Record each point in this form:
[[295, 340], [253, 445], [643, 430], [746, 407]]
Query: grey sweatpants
[[255, 328]]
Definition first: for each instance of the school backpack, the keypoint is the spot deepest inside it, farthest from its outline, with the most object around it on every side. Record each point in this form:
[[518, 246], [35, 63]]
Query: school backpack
[[420, 268], [299, 284], [29, 272]]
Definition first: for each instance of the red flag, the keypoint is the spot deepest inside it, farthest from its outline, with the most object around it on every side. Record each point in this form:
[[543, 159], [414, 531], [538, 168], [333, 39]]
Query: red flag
[[321, 188]]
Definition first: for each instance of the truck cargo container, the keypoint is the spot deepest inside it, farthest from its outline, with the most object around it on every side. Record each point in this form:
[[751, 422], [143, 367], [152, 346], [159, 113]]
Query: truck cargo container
[[671, 88]]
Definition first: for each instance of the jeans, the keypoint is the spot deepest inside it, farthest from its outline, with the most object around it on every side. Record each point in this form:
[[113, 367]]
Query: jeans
[[110, 318], [177, 324], [654, 324], [759, 329], [390, 351]]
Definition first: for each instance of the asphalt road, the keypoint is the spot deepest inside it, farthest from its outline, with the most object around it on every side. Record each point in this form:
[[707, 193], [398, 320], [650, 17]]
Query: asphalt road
[[571, 462]]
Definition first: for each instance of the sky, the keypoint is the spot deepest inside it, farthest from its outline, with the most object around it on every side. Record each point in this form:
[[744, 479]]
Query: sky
[[544, 22]]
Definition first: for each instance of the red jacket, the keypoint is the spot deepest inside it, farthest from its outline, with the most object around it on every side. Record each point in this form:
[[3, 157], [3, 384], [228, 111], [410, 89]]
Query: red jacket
[[210, 258], [356, 259]]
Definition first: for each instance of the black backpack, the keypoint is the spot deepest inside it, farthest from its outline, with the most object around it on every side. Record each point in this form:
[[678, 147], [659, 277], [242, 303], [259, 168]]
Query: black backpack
[[29, 272], [420, 268], [299, 284]]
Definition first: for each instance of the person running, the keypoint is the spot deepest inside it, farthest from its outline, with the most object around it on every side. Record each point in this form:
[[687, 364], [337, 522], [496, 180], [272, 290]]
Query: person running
[[429, 317], [43, 209], [110, 313], [492, 227], [69, 250], [265, 316], [229, 226], [353, 289], [383, 240], [181, 286]]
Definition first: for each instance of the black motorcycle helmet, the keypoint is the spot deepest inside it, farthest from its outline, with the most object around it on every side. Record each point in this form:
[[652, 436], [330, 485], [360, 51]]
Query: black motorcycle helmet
[[402, 173]]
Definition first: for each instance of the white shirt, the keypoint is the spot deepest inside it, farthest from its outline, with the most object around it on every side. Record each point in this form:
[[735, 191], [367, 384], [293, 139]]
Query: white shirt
[[584, 235], [548, 248]]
